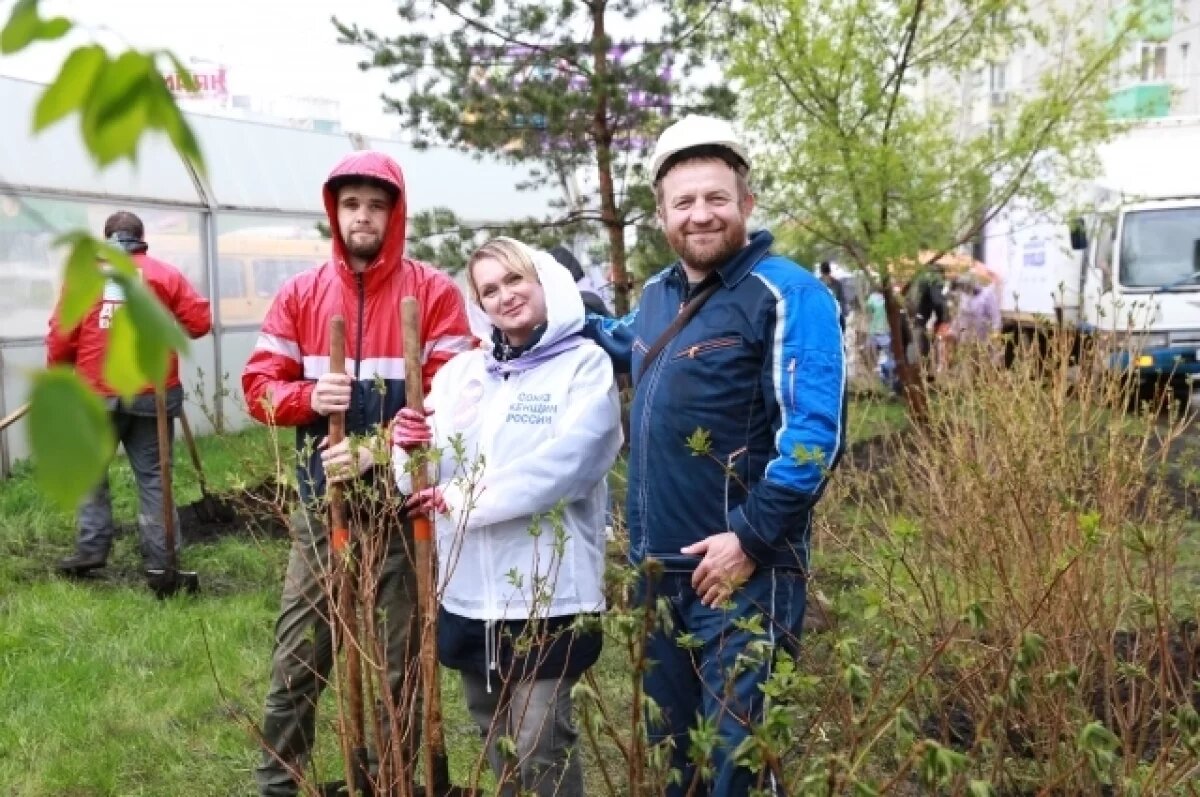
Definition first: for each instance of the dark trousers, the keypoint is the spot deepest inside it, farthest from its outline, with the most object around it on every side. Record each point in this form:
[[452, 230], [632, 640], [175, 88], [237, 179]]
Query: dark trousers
[[303, 655], [536, 716], [708, 680], [138, 434]]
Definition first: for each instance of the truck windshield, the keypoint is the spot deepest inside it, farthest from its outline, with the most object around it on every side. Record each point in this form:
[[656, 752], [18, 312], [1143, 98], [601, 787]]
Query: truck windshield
[[1158, 247]]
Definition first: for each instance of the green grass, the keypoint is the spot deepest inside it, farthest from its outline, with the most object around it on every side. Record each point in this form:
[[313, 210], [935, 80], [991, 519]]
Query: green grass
[[874, 416], [105, 690]]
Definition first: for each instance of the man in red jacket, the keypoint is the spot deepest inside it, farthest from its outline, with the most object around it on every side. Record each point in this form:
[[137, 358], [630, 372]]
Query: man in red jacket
[[287, 383], [85, 348]]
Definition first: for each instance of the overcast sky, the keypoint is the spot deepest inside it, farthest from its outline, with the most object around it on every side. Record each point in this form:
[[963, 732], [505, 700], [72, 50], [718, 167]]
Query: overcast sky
[[270, 47]]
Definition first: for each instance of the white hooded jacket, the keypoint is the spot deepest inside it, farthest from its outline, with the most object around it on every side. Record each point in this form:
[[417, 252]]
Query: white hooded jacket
[[515, 448]]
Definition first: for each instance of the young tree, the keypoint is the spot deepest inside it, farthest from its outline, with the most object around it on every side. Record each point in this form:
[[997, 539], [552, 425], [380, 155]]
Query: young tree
[[576, 89], [860, 105]]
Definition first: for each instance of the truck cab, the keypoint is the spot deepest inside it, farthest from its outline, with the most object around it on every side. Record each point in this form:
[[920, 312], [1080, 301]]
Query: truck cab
[[1142, 288]]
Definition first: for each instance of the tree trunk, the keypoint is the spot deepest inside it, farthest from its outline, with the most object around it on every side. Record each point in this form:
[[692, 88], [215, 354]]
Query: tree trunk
[[602, 133], [912, 385]]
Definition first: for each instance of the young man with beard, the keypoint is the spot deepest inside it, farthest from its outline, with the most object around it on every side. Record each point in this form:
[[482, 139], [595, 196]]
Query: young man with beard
[[287, 383], [759, 370]]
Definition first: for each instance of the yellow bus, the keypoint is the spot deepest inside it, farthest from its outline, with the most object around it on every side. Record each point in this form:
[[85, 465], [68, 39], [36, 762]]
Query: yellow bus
[[251, 266]]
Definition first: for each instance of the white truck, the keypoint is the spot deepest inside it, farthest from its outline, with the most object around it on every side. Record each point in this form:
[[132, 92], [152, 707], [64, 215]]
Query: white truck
[[1128, 268]]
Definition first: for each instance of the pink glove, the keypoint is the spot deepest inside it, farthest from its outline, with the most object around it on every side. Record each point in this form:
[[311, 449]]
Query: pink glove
[[427, 501], [410, 430]]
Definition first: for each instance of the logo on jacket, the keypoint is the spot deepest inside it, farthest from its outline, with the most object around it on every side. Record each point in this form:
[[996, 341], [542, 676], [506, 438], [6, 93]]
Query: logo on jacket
[[114, 297], [533, 409]]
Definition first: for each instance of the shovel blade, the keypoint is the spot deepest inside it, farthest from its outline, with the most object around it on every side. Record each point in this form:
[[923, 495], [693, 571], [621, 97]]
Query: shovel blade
[[165, 583]]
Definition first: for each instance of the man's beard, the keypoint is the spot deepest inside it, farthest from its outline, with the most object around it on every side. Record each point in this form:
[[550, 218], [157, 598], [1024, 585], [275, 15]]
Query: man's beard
[[364, 247], [708, 256]]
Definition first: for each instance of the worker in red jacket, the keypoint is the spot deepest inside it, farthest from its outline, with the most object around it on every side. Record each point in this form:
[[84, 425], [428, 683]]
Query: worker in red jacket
[[287, 382], [85, 348]]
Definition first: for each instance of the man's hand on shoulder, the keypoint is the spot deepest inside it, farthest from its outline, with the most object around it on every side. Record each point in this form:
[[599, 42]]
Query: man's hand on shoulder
[[331, 394], [723, 569]]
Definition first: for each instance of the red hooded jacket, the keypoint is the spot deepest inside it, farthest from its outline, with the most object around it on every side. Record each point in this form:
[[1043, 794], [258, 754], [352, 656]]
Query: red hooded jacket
[[292, 351], [85, 346]]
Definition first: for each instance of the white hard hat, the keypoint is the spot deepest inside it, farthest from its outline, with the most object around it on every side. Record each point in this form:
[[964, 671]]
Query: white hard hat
[[695, 131]]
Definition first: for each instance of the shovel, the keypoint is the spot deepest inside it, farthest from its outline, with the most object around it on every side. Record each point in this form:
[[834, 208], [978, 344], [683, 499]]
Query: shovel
[[209, 509], [345, 625], [437, 768], [166, 582], [437, 763]]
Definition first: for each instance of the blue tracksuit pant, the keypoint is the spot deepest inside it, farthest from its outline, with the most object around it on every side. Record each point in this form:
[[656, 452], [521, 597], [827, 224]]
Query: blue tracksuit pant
[[703, 681]]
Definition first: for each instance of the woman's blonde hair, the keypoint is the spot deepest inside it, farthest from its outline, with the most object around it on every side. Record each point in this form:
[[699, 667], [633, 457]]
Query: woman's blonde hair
[[512, 254]]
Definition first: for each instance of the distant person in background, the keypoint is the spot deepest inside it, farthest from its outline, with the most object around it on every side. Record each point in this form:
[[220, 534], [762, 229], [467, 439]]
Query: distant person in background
[[926, 299], [879, 336], [978, 317], [134, 420], [835, 287], [592, 303]]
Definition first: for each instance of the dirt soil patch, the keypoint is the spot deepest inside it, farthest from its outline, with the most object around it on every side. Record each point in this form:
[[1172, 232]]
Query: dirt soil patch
[[1123, 702], [256, 511]]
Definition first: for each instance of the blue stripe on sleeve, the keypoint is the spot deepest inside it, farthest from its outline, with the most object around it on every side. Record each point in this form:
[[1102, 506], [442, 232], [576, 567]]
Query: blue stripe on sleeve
[[809, 377]]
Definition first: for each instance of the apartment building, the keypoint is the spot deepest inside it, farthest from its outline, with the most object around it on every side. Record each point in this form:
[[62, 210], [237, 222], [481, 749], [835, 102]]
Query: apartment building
[[1157, 75]]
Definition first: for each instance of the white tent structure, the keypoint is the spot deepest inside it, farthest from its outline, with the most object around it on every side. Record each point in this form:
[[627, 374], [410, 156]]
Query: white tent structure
[[237, 232]]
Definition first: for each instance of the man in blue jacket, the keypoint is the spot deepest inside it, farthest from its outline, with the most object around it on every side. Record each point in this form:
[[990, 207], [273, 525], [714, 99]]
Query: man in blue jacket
[[737, 419]]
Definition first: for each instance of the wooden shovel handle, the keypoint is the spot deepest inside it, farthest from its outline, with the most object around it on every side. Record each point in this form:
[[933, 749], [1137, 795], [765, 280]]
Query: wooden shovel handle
[[347, 595], [163, 427], [193, 451], [340, 531], [414, 398], [436, 765], [14, 416]]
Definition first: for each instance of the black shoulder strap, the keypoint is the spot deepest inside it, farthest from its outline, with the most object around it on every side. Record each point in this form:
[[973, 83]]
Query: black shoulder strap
[[685, 315]]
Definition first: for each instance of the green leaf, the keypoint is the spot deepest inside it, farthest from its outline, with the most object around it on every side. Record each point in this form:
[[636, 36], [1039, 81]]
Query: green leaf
[[121, 369], [123, 80], [165, 115], [980, 788], [1030, 650], [157, 332], [83, 281], [183, 73], [22, 27], [183, 138], [115, 113], [1095, 737], [117, 136], [117, 258], [69, 434], [70, 89], [54, 28], [25, 27], [699, 442]]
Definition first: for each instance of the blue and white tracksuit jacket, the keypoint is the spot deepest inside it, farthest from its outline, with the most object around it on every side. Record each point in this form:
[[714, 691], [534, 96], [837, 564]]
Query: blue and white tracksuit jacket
[[760, 371]]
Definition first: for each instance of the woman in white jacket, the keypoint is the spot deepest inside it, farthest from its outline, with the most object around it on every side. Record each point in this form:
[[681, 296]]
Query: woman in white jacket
[[525, 429]]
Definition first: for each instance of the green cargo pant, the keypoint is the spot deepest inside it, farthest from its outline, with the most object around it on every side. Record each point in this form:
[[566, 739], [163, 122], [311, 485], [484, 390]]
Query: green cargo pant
[[303, 656]]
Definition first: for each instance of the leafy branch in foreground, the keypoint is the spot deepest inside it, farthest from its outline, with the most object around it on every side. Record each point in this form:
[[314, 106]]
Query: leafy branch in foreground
[[118, 99]]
